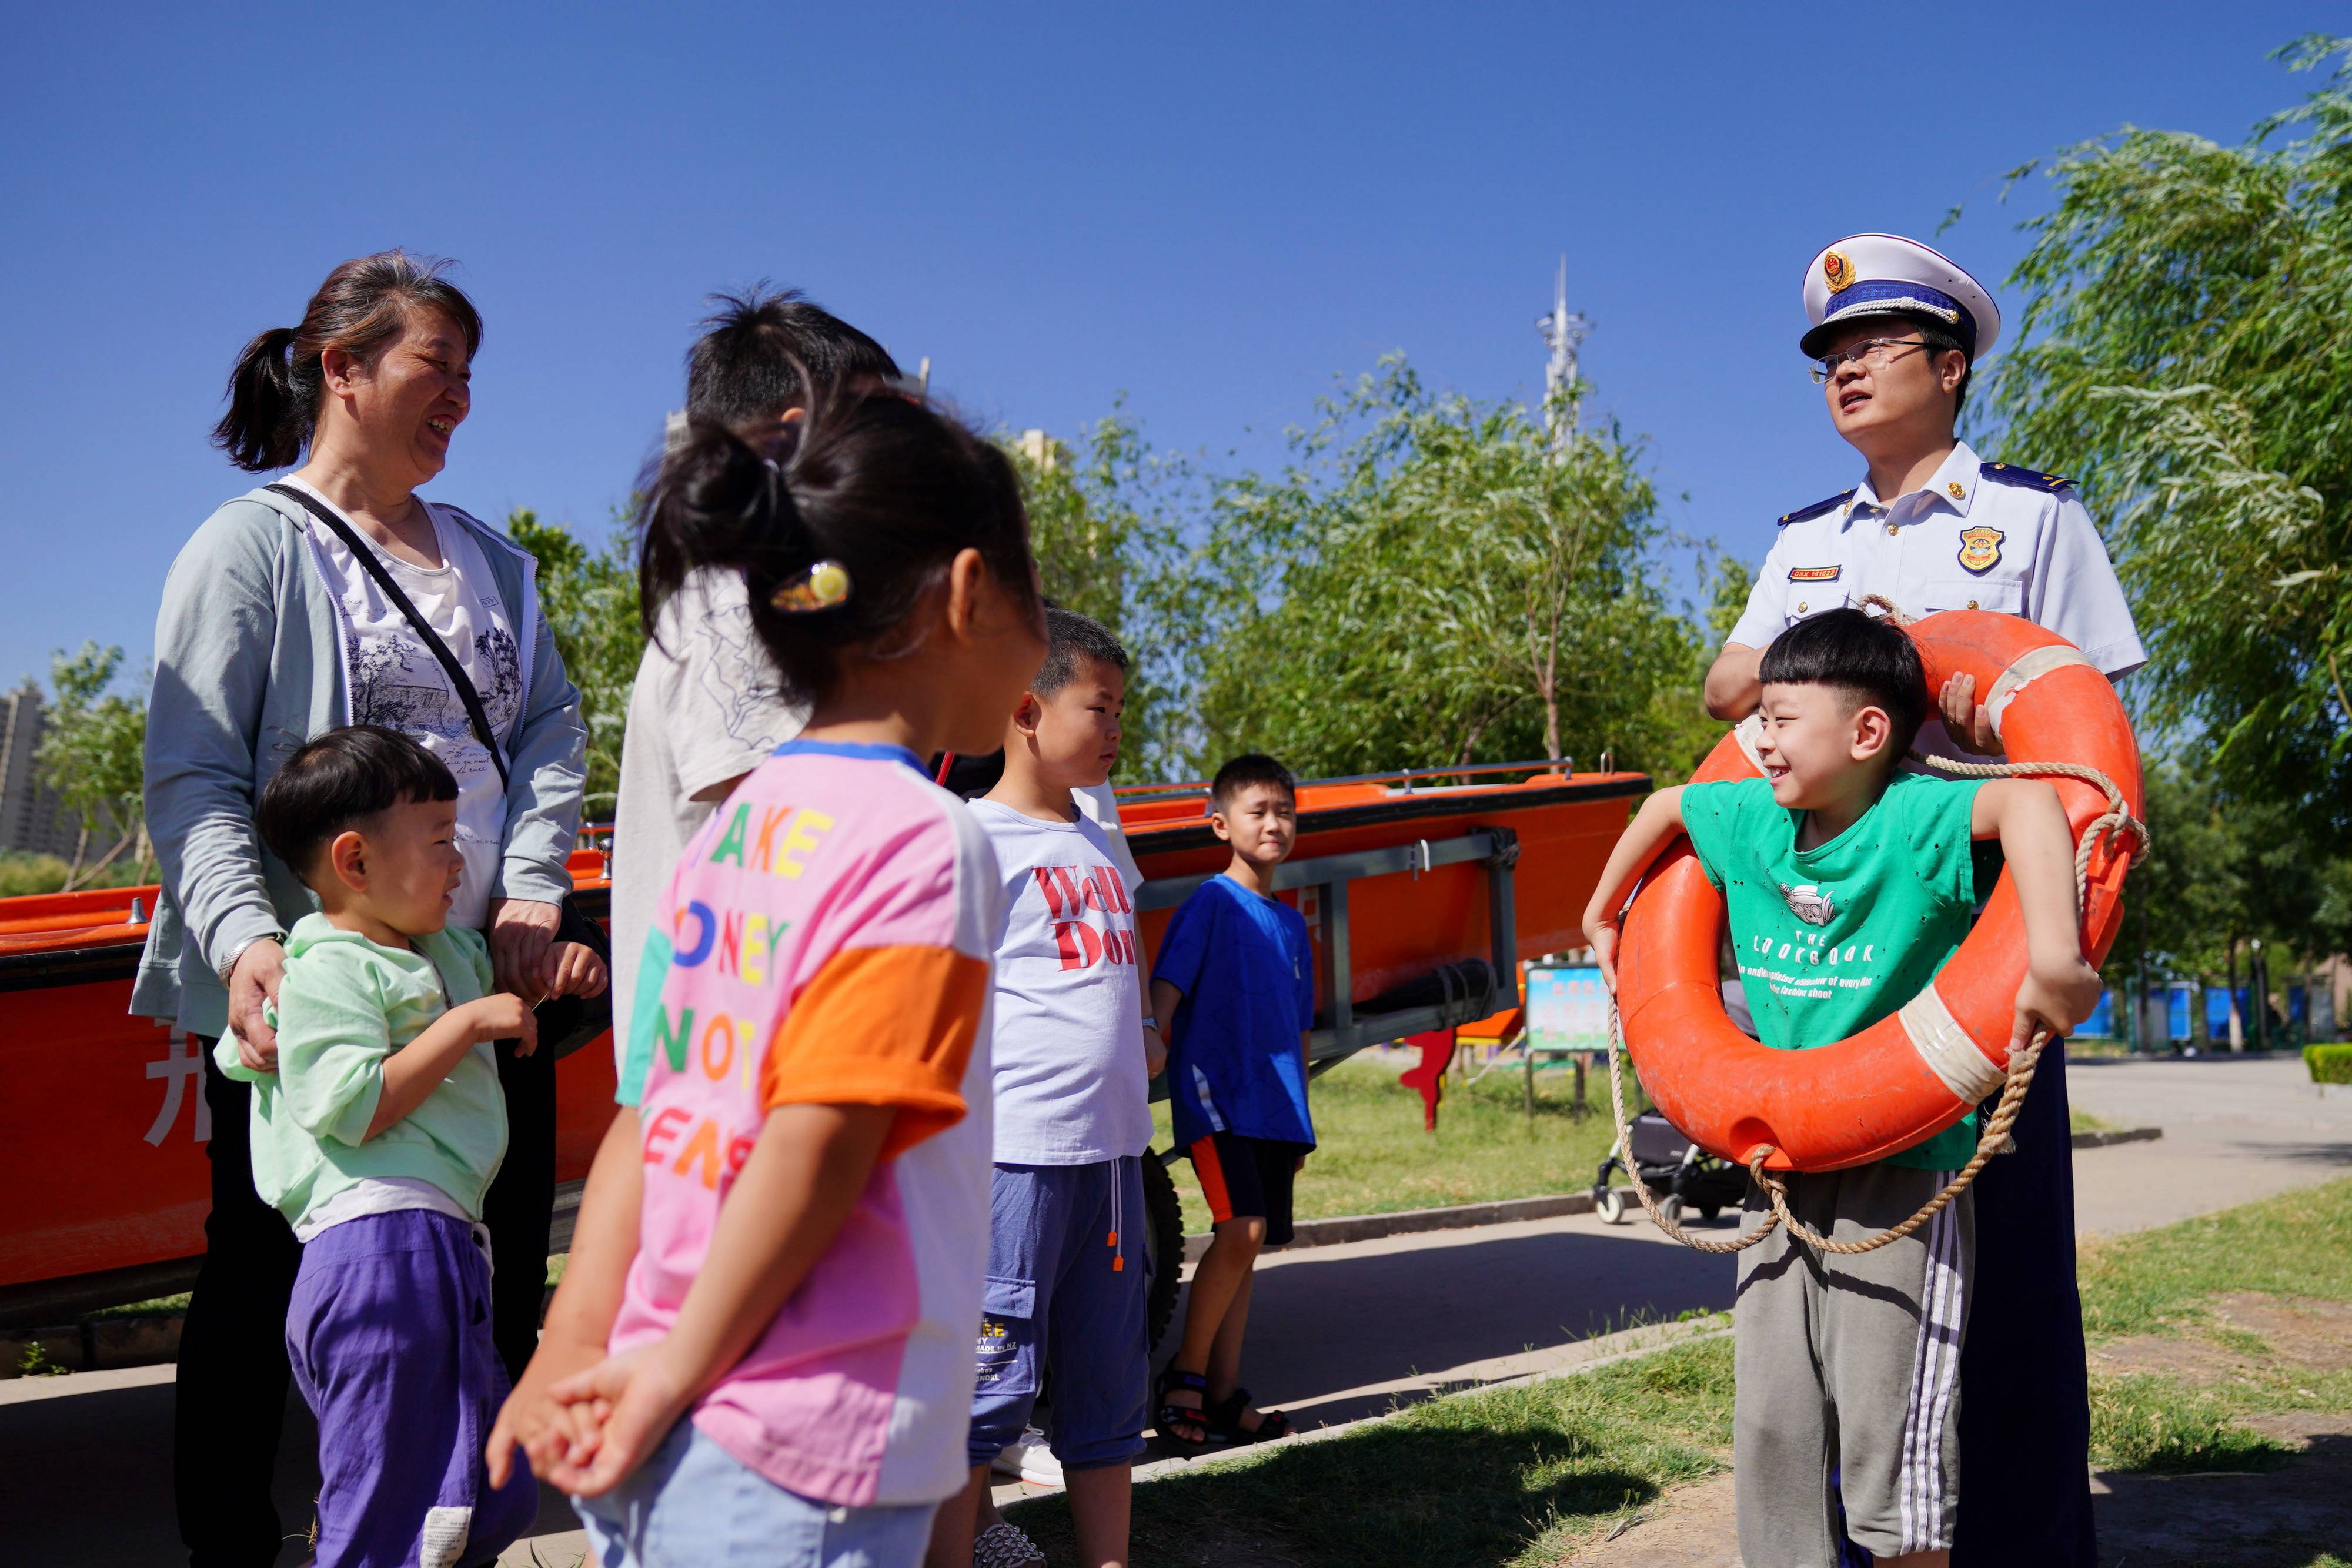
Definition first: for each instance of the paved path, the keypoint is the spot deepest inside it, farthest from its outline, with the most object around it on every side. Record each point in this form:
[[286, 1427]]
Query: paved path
[[2235, 1129], [1449, 1308], [1338, 1332]]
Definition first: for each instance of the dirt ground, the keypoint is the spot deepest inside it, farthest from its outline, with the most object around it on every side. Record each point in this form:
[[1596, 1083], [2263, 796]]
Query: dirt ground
[[2283, 1518], [2277, 1519], [1689, 1527], [2316, 1334]]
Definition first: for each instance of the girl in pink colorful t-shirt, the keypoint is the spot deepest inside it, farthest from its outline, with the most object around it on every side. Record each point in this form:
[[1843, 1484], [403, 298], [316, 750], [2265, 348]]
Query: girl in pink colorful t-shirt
[[763, 1336]]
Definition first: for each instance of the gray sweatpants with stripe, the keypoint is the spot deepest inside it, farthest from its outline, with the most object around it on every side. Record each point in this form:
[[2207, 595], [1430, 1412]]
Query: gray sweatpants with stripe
[[1851, 1365]]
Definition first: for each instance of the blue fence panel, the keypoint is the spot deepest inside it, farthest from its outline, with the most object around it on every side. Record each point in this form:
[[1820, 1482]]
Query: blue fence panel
[[2176, 1011], [2217, 1013], [2101, 1024]]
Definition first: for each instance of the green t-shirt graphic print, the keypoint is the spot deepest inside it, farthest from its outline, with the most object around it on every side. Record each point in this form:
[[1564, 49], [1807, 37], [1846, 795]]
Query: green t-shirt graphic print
[[1832, 939]]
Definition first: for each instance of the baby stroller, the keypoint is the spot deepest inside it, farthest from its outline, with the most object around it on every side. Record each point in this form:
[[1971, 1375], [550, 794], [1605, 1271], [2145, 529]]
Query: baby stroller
[[1679, 1174]]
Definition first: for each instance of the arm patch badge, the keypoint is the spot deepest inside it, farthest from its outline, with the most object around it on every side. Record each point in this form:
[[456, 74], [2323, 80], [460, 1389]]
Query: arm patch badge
[[1814, 573], [1980, 548]]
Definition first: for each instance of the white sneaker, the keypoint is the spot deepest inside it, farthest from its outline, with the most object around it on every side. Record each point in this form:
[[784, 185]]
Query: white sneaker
[[1028, 1458]]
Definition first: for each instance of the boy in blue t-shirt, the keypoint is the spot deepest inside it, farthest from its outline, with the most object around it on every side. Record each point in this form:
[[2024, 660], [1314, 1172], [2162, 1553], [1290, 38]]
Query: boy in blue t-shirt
[[1234, 992]]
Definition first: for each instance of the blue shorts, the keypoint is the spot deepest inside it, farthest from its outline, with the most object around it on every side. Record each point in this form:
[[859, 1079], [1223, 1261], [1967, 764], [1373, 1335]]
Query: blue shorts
[[692, 1504], [1066, 1290]]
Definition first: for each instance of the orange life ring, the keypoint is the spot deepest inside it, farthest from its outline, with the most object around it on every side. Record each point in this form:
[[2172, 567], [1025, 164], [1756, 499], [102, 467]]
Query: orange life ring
[[1919, 1069]]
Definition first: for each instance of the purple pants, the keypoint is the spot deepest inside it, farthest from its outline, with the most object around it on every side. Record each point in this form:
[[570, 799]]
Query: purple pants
[[389, 1337]]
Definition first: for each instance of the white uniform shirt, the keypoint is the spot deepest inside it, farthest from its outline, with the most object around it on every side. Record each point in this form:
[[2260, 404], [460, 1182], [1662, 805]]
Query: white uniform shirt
[[1977, 536], [705, 709]]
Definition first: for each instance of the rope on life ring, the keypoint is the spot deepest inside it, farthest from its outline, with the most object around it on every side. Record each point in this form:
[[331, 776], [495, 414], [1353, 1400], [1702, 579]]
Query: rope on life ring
[[2118, 818], [2021, 1063]]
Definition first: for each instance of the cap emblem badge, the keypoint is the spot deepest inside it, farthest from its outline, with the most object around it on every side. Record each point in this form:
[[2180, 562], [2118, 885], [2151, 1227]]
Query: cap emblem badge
[[1837, 271], [1980, 548], [1813, 905]]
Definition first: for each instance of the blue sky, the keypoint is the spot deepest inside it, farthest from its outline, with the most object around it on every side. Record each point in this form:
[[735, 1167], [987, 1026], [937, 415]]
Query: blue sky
[[1211, 210]]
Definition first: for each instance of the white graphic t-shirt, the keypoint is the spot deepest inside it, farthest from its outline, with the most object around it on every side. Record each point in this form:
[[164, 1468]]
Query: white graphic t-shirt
[[704, 710], [1068, 1040], [395, 681]]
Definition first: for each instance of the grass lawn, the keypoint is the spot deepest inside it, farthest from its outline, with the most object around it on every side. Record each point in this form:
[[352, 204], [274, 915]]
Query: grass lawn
[[2202, 1334], [160, 1307], [1372, 1155], [1507, 1475], [2245, 1311], [2297, 1244]]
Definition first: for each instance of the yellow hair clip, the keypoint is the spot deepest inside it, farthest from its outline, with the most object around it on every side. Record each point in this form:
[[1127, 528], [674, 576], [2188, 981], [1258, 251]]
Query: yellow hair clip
[[823, 585]]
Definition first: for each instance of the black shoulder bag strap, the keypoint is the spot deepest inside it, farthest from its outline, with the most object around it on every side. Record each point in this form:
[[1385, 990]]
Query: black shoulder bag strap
[[565, 1023], [372, 564]]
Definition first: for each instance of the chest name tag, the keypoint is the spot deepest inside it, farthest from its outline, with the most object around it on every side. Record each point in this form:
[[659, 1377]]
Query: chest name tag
[[1980, 548], [1814, 573]]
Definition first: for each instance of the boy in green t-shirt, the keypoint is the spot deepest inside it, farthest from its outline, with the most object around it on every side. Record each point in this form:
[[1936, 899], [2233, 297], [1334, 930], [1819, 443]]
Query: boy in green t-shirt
[[1848, 886]]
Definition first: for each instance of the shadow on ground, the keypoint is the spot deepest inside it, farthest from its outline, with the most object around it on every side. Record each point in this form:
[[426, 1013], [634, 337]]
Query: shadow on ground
[[88, 1481], [2280, 1517], [1309, 1505], [1325, 1320]]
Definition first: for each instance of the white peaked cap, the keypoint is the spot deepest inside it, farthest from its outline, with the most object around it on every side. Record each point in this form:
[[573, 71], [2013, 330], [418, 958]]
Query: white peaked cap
[[1878, 275]]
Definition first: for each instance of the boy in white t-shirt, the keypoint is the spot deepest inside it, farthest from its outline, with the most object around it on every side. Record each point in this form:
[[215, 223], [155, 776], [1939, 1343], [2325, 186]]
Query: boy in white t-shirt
[[704, 710], [1066, 1266]]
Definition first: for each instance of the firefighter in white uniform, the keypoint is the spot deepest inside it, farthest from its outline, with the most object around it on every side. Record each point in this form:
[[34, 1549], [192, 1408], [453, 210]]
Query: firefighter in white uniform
[[1931, 525], [1896, 329]]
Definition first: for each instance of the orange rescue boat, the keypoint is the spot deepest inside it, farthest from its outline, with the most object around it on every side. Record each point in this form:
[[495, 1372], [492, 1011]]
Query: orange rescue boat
[[1421, 891]]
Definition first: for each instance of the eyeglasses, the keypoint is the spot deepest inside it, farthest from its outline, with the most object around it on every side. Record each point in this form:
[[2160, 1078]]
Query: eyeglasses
[[1877, 354]]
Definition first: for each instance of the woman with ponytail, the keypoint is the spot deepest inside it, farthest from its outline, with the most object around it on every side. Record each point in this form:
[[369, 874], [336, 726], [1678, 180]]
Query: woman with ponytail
[[278, 622], [761, 1347]]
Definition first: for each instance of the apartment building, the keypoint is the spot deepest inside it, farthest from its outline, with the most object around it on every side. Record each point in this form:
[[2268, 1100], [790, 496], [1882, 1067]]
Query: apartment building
[[33, 820]]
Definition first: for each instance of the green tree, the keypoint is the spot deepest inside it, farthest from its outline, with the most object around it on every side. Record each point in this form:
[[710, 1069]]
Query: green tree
[[2183, 355], [1728, 586], [589, 595], [1434, 580], [92, 753], [1103, 526], [2223, 874]]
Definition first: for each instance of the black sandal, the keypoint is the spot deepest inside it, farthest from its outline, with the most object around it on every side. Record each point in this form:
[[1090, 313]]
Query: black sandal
[[1225, 1420], [1171, 1417]]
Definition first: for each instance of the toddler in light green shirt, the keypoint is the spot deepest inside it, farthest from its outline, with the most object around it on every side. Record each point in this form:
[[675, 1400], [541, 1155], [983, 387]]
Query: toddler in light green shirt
[[346, 1006], [377, 1137]]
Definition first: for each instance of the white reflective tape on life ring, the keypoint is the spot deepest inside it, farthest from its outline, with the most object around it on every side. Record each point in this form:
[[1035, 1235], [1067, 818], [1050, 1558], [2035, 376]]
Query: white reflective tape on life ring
[[2018, 677], [1745, 732], [1946, 1048]]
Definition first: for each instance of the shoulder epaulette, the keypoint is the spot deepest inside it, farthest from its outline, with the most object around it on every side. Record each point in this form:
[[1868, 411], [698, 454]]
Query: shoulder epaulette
[[2010, 473], [1818, 508]]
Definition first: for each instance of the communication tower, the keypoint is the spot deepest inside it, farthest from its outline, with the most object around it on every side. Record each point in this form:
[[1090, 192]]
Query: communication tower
[[1561, 333]]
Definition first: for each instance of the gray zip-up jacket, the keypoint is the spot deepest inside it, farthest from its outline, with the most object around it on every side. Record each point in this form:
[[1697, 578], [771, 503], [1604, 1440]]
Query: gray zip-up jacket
[[249, 649]]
